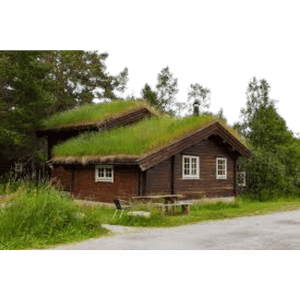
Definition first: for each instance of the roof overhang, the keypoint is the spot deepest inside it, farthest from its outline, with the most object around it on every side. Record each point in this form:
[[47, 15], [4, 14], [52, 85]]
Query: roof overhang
[[86, 160]]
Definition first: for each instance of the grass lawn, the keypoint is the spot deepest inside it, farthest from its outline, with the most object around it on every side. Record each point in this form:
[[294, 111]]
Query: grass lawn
[[206, 212], [39, 215]]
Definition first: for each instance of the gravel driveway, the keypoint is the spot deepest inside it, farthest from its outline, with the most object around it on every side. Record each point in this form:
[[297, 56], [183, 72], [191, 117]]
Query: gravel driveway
[[275, 231]]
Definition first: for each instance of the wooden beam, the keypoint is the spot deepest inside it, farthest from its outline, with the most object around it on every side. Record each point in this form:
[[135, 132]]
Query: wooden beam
[[144, 182], [172, 174]]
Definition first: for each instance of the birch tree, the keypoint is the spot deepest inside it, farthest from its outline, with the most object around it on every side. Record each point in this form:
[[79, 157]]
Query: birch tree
[[257, 94], [167, 89]]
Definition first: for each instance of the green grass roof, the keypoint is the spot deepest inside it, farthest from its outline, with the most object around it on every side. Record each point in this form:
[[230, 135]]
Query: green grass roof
[[93, 113], [138, 139]]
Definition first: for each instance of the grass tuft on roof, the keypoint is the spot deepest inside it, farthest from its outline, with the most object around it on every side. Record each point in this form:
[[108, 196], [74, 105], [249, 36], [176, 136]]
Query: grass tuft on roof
[[138, 139], [94, 113]]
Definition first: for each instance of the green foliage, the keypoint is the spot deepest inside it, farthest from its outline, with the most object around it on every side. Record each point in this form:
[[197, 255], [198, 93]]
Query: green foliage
[[34, 84], [24, 94], [81, 76], [40, 215], [149, 95], [273, 170], [199, 95]]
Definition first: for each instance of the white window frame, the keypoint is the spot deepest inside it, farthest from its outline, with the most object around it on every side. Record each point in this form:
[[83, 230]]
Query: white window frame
[[189, 176], [244, 182], [18, 167], [104, 178], [217, 166]]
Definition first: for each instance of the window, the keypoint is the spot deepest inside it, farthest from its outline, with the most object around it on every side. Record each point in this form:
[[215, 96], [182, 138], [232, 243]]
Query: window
[[104, 173], [241, 178], [190, 167], [18, 168], [221, 168]]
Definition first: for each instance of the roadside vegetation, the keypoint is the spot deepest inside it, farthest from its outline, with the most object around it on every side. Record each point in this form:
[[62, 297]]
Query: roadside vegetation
[[205, 212], [40, 215]]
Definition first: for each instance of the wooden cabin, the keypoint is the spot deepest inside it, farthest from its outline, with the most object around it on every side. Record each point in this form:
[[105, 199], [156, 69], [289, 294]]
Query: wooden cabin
[[200, 162]]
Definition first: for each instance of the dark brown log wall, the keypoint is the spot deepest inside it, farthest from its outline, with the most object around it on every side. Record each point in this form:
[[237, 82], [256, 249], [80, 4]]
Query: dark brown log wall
[[158, 179], [207, 185], [80, 181], [63, 176]]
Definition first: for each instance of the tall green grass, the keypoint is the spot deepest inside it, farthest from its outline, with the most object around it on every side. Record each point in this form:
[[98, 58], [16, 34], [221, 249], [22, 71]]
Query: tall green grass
[[38, 215]]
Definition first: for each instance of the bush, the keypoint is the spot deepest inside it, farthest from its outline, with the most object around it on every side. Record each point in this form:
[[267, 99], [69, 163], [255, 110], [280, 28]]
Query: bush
[[270, 176]]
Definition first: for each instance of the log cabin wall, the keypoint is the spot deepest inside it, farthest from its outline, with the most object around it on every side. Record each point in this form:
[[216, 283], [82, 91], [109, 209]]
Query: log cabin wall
[[80, 181], [62, 176], [159, 179], [207, 185]]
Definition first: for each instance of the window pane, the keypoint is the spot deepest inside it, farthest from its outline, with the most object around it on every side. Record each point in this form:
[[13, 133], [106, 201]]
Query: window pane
[[108, 172], [100, 172]]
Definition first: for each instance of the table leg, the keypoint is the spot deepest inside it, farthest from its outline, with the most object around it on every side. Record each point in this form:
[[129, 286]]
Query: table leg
[[185, 209]]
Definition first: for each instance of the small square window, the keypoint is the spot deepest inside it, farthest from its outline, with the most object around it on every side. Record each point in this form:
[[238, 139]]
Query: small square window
[[104, 173], [241, 178], [18, 168]]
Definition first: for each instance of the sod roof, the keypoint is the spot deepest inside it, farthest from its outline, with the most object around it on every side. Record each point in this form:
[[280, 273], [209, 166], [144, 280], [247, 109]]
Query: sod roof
[[135, 141], [94, 114]]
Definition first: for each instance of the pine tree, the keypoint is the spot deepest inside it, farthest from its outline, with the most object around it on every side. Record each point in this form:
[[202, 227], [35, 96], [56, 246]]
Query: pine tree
[[148, 94], [25, 94], [80, 77]]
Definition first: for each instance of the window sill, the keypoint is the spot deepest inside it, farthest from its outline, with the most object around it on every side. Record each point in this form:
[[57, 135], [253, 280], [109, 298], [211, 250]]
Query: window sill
[[104, 180]]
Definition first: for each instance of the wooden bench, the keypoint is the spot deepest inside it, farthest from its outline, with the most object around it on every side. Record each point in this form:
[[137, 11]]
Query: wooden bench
[[174, 199], [166, 198]]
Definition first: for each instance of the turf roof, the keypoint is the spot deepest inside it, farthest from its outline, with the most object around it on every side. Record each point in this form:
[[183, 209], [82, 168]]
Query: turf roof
[[135, 140], [94, 113]]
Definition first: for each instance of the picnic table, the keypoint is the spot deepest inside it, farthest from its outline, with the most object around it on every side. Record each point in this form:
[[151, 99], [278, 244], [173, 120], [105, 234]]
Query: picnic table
[[169, 201]]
